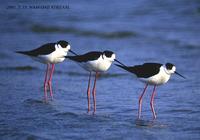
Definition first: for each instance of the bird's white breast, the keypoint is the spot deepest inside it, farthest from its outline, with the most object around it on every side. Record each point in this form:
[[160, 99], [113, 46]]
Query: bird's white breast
[[56, 56], [161, 78], [99, 65]]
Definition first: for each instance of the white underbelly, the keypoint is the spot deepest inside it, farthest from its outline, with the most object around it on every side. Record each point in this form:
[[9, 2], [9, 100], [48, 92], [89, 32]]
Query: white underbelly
[[53, 59], [96, 66], [156, 80]]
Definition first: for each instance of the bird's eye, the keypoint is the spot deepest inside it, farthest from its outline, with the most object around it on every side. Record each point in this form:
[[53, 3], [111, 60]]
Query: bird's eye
[[63, 43], [169, 66], [108, 54]]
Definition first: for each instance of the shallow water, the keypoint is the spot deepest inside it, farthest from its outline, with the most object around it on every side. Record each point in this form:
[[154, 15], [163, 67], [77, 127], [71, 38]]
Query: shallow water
[[138, 32]]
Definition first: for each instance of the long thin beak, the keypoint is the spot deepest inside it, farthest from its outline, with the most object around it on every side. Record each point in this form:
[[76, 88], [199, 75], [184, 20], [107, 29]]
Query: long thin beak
[[72, 52], [180, 75], [119, 62]]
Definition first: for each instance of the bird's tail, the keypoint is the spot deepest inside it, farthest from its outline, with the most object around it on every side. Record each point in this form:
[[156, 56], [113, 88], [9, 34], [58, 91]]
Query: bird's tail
[[123, 67], [71, 57], [23, 52]]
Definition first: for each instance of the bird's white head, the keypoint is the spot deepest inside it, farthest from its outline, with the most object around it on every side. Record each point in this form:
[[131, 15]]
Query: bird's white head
[[109, 55], [65, 45]]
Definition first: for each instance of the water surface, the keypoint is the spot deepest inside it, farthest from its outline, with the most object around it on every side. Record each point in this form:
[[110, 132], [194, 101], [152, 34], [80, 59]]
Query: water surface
[[138, 32]]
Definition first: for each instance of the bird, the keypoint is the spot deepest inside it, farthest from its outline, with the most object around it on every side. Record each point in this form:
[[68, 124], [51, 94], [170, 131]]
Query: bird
[[153, 74], [97, 62], [49, 54]]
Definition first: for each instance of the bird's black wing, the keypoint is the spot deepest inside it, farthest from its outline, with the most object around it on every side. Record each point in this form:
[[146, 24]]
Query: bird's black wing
[[90, 56], [43, 50], [143, 71]]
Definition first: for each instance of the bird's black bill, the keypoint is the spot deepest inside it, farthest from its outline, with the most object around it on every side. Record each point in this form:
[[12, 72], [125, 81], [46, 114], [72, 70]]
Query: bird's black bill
[[180, 75], [120, 62], [72, 52]]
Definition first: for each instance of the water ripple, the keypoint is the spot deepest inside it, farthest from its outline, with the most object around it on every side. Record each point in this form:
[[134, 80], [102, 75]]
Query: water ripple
[[33, 101], [81, 32], [150, 123], [180, 111], [104, 75], [18, 68], [64, 114]]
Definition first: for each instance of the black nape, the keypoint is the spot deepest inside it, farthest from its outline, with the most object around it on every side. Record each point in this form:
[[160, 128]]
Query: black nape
[[63, 43], [108, 53], [169, 66]]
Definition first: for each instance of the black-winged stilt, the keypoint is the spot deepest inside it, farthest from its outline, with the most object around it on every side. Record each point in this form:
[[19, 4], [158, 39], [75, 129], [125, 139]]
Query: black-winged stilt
[[152, 74], [50, 54], [97, 62]]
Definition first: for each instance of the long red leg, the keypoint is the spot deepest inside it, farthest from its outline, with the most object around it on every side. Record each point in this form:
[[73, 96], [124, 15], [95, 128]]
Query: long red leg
[[45, 83], [140, 101], [49, 72], [94, 92], [152, 102], [50, 80], [88, 92]]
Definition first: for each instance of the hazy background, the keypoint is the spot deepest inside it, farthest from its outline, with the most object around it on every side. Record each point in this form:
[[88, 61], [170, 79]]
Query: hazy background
[[137, 31]]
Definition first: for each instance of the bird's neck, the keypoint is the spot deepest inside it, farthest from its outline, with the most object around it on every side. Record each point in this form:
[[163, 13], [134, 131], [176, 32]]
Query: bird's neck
[[166, 71]]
